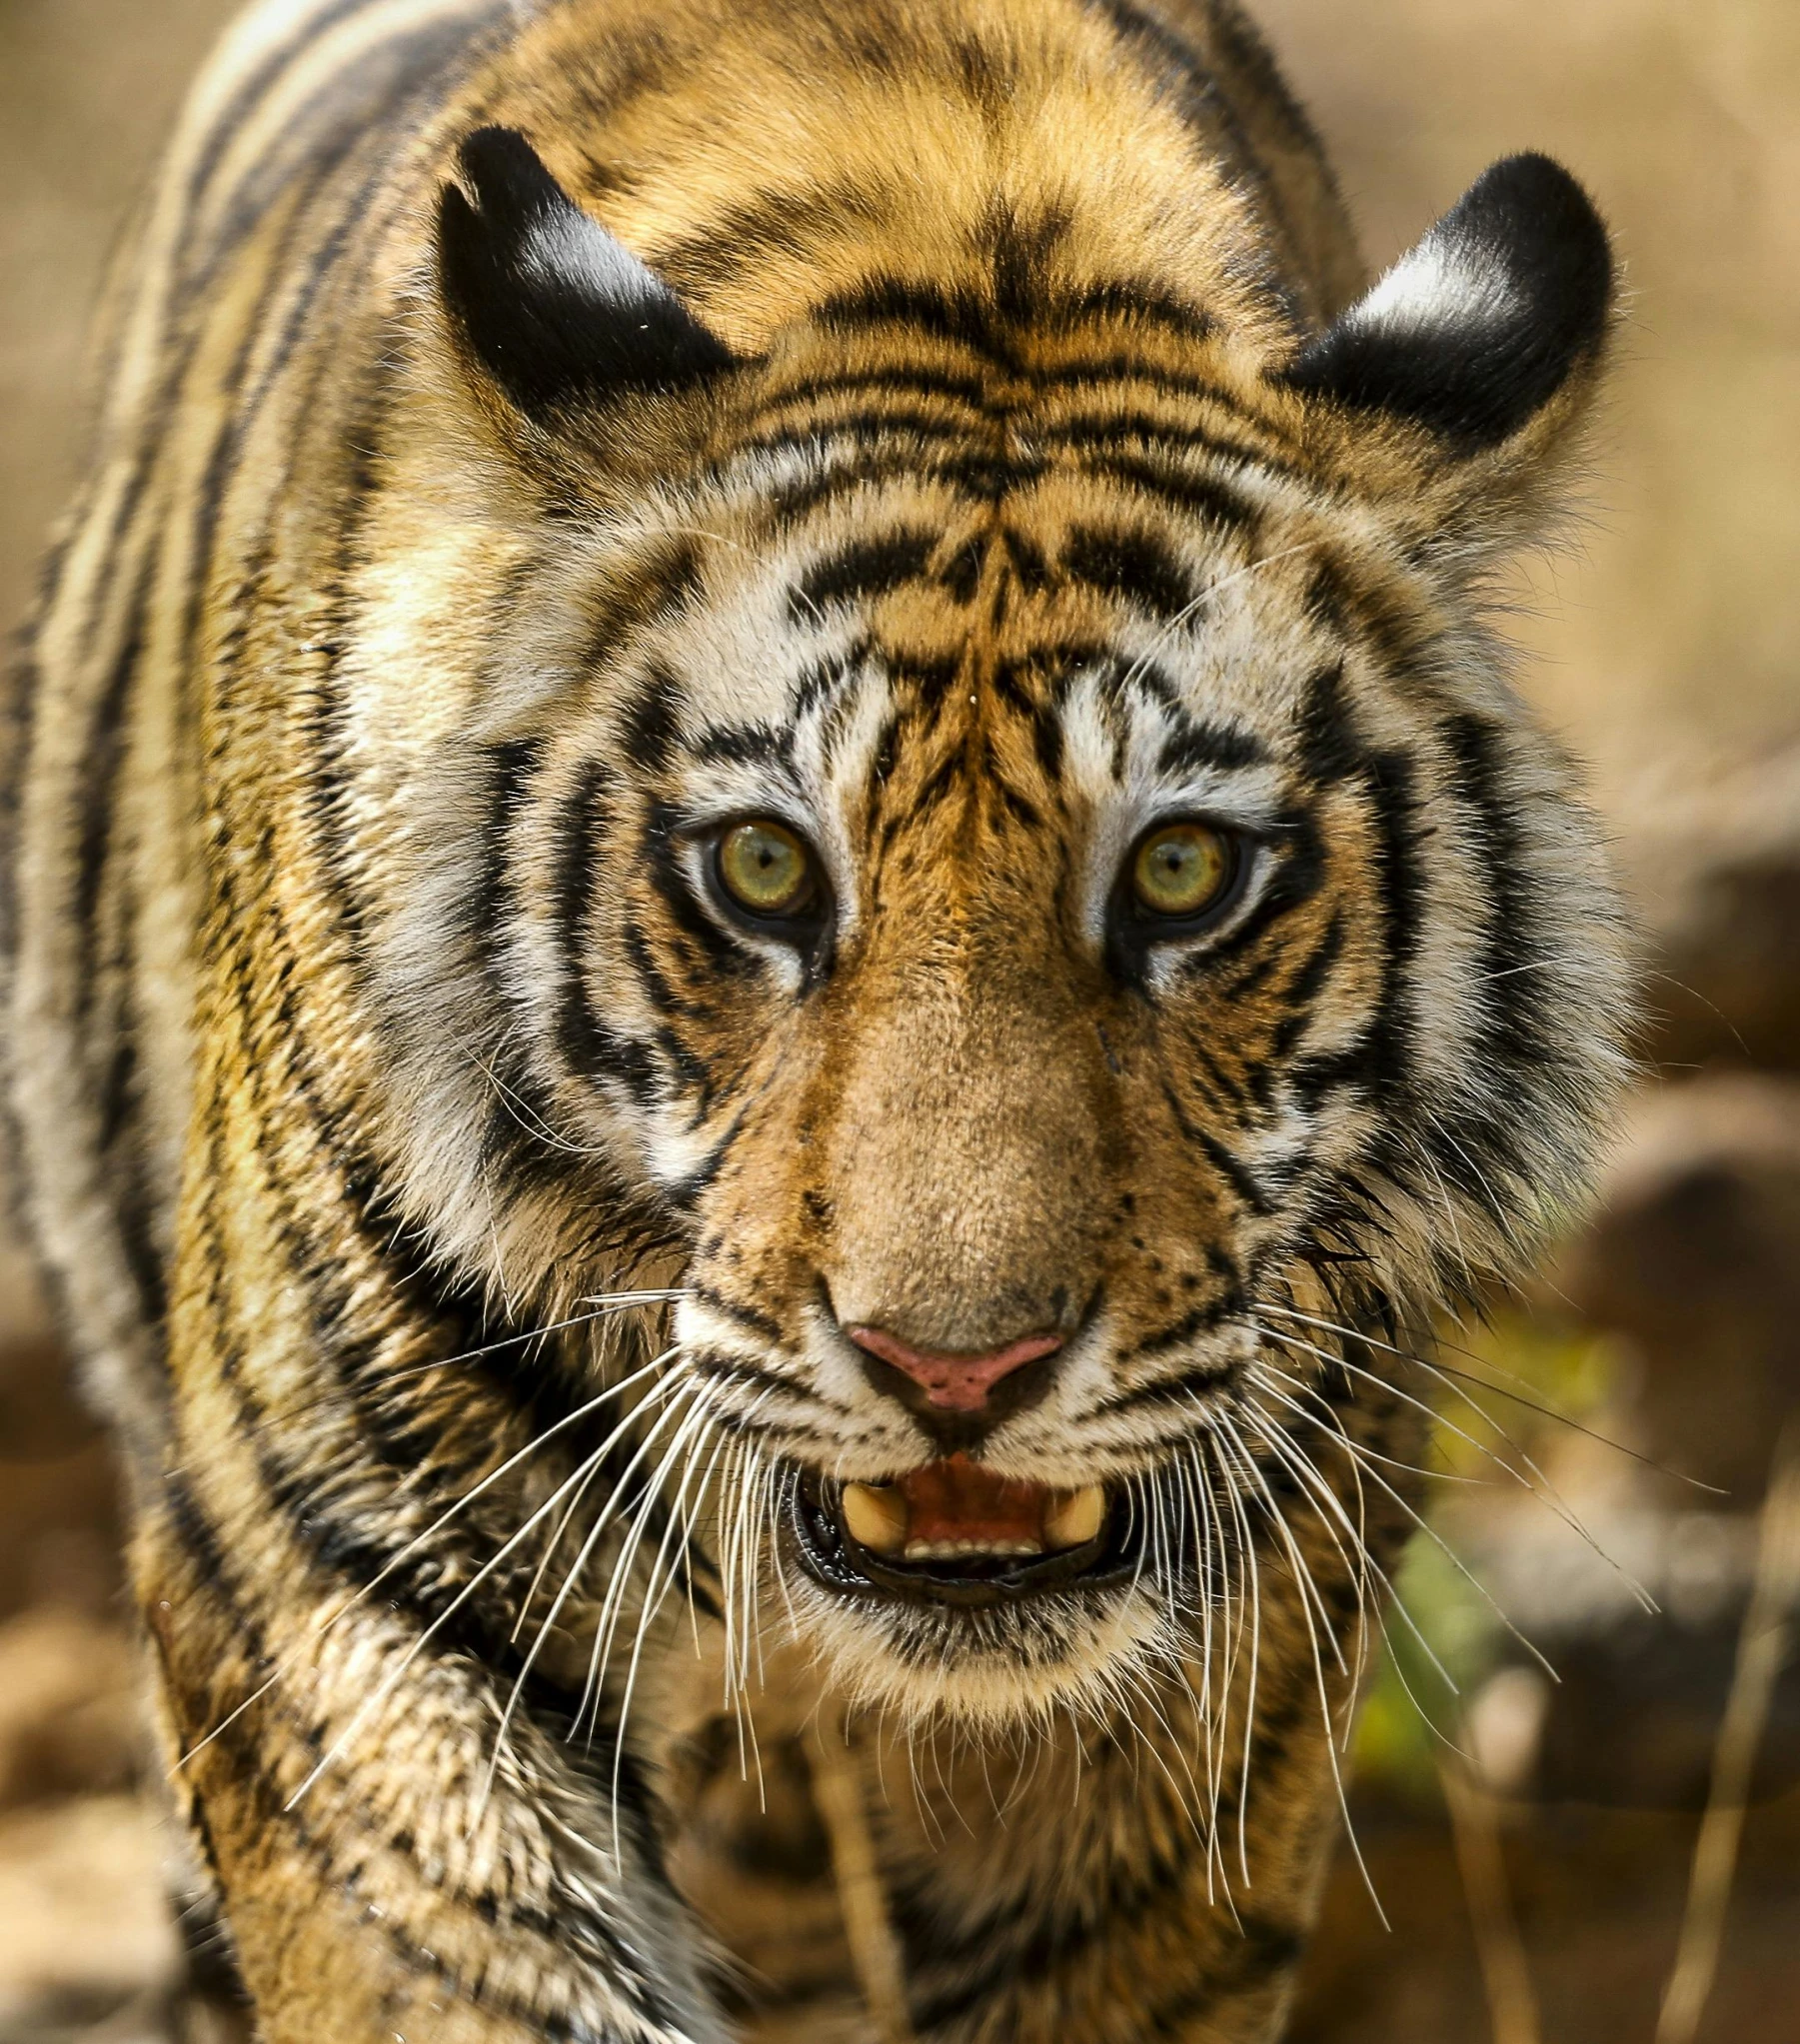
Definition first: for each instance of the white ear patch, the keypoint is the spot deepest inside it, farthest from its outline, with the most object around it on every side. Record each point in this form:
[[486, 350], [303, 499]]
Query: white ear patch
[[1439, 284], [566, 248]]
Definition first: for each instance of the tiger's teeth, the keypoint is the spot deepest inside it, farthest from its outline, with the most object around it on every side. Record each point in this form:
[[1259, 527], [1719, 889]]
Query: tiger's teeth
[[962, 1551], [877, 1516], [1075, 1520]]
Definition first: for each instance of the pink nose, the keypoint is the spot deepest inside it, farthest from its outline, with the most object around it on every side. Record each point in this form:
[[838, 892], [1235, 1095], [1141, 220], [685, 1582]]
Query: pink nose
[[953, 1379]]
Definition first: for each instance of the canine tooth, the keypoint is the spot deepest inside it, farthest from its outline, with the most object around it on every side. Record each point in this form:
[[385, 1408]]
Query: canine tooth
[[1077, 1519], [877, 1516]]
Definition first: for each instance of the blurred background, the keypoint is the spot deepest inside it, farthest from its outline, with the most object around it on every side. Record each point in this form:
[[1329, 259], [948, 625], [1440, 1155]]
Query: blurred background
[[1532, 1852]]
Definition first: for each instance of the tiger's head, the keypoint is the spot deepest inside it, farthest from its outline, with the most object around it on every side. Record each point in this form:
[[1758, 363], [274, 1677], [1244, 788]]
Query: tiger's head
[[983, 825]]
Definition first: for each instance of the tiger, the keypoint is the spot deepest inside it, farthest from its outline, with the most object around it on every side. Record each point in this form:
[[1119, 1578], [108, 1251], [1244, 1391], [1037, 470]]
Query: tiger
[[778, 914]]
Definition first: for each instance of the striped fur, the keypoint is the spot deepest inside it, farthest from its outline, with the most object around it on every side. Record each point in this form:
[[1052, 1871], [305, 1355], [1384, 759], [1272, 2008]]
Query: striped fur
[[1033, 474]]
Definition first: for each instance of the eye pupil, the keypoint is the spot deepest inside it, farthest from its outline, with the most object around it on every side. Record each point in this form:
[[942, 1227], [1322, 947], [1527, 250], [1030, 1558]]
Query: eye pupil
[[1182, 870], [764, 867]]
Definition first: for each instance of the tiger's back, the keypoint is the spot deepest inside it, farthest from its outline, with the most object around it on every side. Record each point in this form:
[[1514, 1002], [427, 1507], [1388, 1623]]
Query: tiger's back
[[348, 1046]]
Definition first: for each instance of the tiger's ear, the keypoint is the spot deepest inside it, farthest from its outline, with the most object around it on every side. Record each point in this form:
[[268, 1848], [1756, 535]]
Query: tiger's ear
[[546, 300], [1477, 331]]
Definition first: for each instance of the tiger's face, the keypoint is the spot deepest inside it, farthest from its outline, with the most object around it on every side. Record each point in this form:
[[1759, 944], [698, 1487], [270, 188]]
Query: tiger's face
[[982, 942], [1016, 861]]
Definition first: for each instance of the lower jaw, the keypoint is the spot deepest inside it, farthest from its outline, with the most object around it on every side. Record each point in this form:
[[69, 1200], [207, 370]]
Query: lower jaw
[[827, 1554]]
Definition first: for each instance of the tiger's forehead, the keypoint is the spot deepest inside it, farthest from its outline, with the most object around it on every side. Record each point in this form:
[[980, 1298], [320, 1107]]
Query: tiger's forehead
[[985, 511], [1065, 601]]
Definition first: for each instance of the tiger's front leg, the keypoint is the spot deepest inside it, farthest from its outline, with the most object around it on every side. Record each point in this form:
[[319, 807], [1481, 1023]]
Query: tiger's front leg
[[377, 1886], [377, 1773]]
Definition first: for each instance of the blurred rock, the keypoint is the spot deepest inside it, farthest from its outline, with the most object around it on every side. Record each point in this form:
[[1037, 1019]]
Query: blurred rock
[[1694, 1260], [69, 1717], [59, 1529], [23, 1321], [83, 1926], [1714, 864], [1600, 1895], [1640, 1623]]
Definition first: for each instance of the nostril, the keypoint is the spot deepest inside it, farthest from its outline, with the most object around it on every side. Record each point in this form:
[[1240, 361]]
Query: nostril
[[954, 1381]]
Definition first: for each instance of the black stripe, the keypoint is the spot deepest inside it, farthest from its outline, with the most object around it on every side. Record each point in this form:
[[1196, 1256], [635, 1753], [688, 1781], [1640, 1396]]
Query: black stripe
[[1303, 991], [587, 1046], [1130, 565], [1330, 750], [986, 476], [861, 570], [959, 316], [1512, 995], [839, 472], [748, 745], [869, 422], [1237, 1172], [756, 1321], [961, 575], [1400, 640], [1099, 436], [102, 756], [249, 96], [769, 224], [485, 912], [1309, 1079], [1393, 785], [1028, 1939], [1105, 374], [1193, 744], [913, 378]]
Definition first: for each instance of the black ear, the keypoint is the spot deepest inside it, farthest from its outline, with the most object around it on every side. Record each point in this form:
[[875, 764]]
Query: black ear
[[1482, 324], [553, 307]]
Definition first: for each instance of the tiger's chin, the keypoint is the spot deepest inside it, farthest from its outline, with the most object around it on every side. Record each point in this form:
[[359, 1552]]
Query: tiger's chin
[[946, 1596]]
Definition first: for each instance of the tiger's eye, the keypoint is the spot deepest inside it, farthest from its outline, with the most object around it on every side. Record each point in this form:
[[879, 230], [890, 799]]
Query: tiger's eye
[[764, 867], [1182, 870]]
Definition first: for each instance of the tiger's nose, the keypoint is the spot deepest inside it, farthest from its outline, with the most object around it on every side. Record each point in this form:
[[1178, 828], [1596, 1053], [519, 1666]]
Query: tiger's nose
[[954, 1381]]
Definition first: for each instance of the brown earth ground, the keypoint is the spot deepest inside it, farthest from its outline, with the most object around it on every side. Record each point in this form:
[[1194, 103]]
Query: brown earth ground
[[1666, 644]]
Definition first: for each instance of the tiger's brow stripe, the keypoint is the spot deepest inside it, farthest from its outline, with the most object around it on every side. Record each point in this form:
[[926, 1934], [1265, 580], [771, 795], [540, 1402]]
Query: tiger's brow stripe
[[898, 377], [1130, 566], [864, 568], [1203, 745]]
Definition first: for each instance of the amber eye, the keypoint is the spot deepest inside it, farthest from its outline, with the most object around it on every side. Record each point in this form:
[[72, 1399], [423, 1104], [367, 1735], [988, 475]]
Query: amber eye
[[766, 869], [1182, 870]]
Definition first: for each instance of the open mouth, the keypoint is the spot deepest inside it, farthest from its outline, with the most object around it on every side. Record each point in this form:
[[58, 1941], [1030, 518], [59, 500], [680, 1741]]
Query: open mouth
[[954, 1532]]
